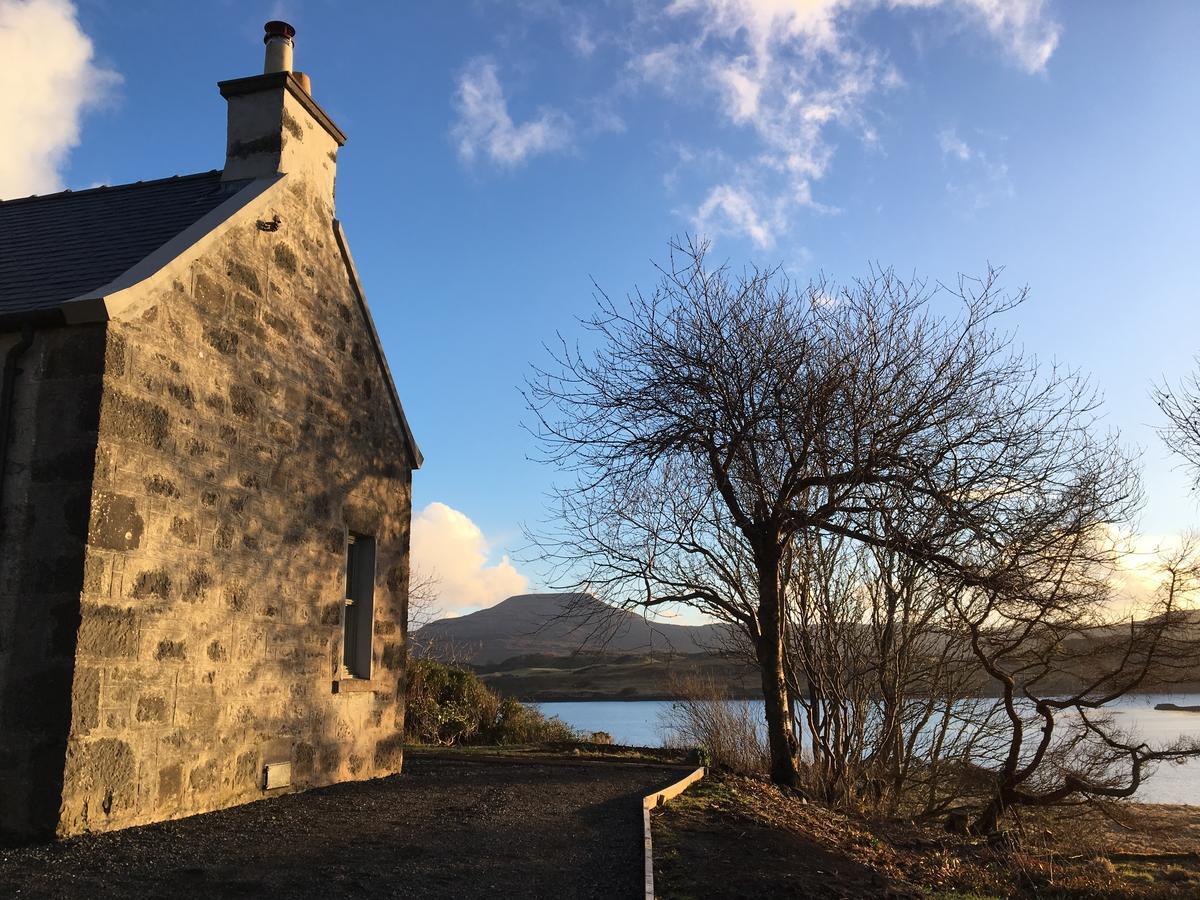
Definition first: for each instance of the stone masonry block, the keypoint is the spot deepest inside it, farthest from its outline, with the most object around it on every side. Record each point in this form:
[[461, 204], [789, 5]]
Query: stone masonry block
[[153, 708], [389, 753], [134, 419], [209, 294], [152, 583], [244, 275], [85, 706], [115, 523], [107, 631], [100, 777], [242, 402], [169, 649], [170, 782]]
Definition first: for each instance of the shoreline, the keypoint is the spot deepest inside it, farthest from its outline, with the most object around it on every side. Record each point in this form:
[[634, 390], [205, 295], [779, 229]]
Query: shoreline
[[592, 697]]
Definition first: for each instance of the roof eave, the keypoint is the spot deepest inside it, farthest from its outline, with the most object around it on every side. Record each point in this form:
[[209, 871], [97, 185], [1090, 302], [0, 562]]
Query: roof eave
[[107, 301], [401, 420]]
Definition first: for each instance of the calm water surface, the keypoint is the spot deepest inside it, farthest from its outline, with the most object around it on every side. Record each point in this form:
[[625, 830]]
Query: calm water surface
[[639, 723]]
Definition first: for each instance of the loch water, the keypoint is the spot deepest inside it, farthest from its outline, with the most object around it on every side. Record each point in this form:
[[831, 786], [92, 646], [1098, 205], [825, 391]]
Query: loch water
[[641, 723]]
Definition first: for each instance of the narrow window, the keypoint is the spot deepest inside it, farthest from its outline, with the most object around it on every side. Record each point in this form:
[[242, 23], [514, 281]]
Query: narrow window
[[358, 621]]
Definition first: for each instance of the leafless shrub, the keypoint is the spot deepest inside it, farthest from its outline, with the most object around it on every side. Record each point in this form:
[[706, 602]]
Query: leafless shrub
[[729, 732], [884, 687]]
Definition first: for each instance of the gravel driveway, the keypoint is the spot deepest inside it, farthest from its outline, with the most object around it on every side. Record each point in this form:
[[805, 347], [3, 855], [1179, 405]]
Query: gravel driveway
[[445, 828]]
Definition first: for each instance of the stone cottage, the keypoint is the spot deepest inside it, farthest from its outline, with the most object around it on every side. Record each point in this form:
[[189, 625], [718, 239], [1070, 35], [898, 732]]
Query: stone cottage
[[205, 487]]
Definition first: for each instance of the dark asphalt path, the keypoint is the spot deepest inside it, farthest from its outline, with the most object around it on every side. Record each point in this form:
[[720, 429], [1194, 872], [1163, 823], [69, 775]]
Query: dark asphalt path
[[445, 828]]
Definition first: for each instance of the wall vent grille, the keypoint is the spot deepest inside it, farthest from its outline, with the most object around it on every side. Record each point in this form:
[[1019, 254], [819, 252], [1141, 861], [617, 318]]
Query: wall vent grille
[[277, 775]]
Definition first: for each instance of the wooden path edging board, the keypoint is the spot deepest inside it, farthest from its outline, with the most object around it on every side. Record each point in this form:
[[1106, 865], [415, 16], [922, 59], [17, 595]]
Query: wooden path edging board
[[649, 802]]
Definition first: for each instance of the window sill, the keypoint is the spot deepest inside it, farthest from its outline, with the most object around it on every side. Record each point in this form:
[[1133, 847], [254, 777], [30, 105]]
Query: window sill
[[353, 686]]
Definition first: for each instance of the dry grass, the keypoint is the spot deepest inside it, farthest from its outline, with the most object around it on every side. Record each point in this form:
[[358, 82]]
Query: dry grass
[[727, 732]]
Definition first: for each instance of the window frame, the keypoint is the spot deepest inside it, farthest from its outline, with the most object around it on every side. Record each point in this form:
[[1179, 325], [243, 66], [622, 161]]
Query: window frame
[[358, 608]]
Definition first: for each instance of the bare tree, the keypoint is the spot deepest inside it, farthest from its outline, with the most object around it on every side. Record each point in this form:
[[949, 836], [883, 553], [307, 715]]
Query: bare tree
[[423, 595], [1059, 656], [715, 425], [1181, 406]]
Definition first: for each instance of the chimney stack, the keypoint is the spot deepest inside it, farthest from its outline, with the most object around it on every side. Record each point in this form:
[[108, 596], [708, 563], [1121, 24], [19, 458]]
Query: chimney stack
[[279, 47], [275, 126]]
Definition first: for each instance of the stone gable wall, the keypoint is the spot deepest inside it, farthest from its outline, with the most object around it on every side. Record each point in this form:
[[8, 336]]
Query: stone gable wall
[[244, 429]]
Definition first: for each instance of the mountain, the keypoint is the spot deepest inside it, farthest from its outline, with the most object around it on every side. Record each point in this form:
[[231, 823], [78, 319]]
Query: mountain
[[561, 625]]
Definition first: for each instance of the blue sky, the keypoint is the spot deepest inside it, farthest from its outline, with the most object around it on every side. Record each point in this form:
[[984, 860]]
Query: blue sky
[[501, 154]]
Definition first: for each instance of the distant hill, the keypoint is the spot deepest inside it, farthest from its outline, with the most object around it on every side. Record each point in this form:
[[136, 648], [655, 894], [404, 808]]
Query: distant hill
[[624, 676], [560, 625], [573, 646]]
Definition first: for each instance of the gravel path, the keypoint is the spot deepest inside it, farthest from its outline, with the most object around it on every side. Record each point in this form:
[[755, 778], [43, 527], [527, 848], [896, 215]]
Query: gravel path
[[445, 828]]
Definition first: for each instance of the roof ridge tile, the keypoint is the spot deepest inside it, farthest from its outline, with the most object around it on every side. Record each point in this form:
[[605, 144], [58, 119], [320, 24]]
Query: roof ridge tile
[[106, 187]]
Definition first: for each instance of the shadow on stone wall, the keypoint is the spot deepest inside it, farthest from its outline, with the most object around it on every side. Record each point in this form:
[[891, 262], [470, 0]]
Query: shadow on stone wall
[[49, 475]]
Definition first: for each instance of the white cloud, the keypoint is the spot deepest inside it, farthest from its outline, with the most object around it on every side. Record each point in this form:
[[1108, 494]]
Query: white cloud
[[1023, 27], [743, 91], [606, 120], [768, 21], [448, 546], [47, 80], [485, 126], [796, 77], [728, 209], [796, 72], [953, 145], [662, 67], [791, 72], [583, 42]]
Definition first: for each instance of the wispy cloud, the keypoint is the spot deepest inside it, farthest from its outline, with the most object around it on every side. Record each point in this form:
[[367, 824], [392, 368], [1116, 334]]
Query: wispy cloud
[[662, 67], [48, 79], [583, 41], [1024, 28], [789, 72], [485, 127], [451, 548], [953, 145], [977, 177], [731, 209], [797, 77], [798, 73]]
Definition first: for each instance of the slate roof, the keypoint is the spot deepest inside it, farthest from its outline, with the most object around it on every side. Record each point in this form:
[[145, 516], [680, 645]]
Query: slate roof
[[55, 247]]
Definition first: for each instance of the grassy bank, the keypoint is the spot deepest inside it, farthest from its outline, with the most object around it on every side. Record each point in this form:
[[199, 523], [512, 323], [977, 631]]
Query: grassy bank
[[731, 836]]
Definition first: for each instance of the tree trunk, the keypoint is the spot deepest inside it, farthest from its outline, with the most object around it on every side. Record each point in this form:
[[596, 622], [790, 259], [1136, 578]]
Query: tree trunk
[[989, 818], [781, 735]]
